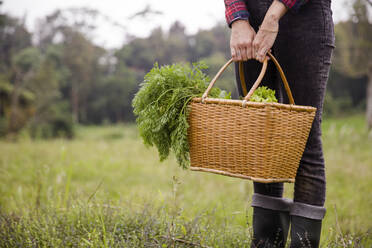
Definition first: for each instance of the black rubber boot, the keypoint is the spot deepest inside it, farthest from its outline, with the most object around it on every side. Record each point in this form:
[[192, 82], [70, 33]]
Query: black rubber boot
[[305, 232], [270, 228]]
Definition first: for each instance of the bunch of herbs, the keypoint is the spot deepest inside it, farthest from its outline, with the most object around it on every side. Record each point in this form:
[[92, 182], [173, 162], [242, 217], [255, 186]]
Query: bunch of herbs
[[161, 107]]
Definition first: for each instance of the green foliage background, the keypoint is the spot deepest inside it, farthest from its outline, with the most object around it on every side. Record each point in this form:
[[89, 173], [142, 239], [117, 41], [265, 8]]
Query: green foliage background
[[73, 81], [104, 188]]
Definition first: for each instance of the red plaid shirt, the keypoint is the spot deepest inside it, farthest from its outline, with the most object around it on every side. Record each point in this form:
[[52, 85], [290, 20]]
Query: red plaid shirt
[[237, 10]]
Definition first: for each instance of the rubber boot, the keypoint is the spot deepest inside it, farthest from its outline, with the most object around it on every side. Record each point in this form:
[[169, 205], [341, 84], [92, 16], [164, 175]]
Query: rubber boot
[[270, 228], [305, 232]]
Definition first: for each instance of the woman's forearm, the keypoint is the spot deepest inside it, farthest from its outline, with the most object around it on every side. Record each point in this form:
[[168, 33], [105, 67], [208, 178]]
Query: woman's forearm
[[268, 30], [275, 12]]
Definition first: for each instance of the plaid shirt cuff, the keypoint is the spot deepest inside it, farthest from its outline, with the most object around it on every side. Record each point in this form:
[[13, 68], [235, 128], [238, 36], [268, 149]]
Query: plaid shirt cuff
[[235, 10], [294, 5]]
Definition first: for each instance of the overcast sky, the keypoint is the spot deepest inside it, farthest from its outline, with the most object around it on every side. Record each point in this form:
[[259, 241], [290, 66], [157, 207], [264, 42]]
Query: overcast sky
[[194, 14]]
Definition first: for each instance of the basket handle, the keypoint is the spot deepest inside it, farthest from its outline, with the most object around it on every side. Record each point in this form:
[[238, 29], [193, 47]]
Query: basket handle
[[258, 81]]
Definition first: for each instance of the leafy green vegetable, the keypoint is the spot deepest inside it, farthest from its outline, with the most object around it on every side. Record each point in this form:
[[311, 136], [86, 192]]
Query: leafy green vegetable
[[263, 94], [161, 107]]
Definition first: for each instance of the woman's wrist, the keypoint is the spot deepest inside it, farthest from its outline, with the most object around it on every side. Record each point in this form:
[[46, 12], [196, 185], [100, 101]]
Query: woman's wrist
[[240, 23]]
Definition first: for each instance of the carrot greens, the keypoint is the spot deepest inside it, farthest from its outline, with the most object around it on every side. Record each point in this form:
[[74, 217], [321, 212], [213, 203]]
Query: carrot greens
[[161, 107]]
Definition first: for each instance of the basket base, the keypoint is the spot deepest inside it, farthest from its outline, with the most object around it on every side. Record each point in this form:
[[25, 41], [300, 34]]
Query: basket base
[[255, 179]]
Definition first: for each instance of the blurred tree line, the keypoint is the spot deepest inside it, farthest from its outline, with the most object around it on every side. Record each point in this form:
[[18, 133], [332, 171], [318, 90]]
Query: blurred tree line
[[56, 76]]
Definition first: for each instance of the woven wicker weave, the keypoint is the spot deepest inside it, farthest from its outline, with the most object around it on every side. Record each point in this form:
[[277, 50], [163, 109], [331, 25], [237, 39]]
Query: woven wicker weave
[[263, 142]]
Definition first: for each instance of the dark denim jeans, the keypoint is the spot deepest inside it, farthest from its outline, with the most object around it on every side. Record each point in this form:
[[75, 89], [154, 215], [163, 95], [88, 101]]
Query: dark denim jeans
[[303, 48]]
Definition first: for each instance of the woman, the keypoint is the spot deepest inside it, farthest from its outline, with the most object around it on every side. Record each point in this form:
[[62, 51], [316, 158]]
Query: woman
[[300, 35]]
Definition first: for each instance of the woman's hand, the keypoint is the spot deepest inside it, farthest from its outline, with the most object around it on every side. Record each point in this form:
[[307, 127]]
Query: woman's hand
[[242, 35], [265, 39], [268, 30]]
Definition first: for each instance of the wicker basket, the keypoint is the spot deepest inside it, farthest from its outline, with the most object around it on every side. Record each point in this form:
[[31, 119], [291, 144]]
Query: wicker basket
[[262, 142]]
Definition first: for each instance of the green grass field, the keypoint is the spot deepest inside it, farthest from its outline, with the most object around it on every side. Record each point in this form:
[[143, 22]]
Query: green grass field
[[105, 189]]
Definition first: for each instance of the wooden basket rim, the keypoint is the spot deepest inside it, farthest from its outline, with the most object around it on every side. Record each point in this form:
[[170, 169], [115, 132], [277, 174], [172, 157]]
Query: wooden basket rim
[[254, 104]]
